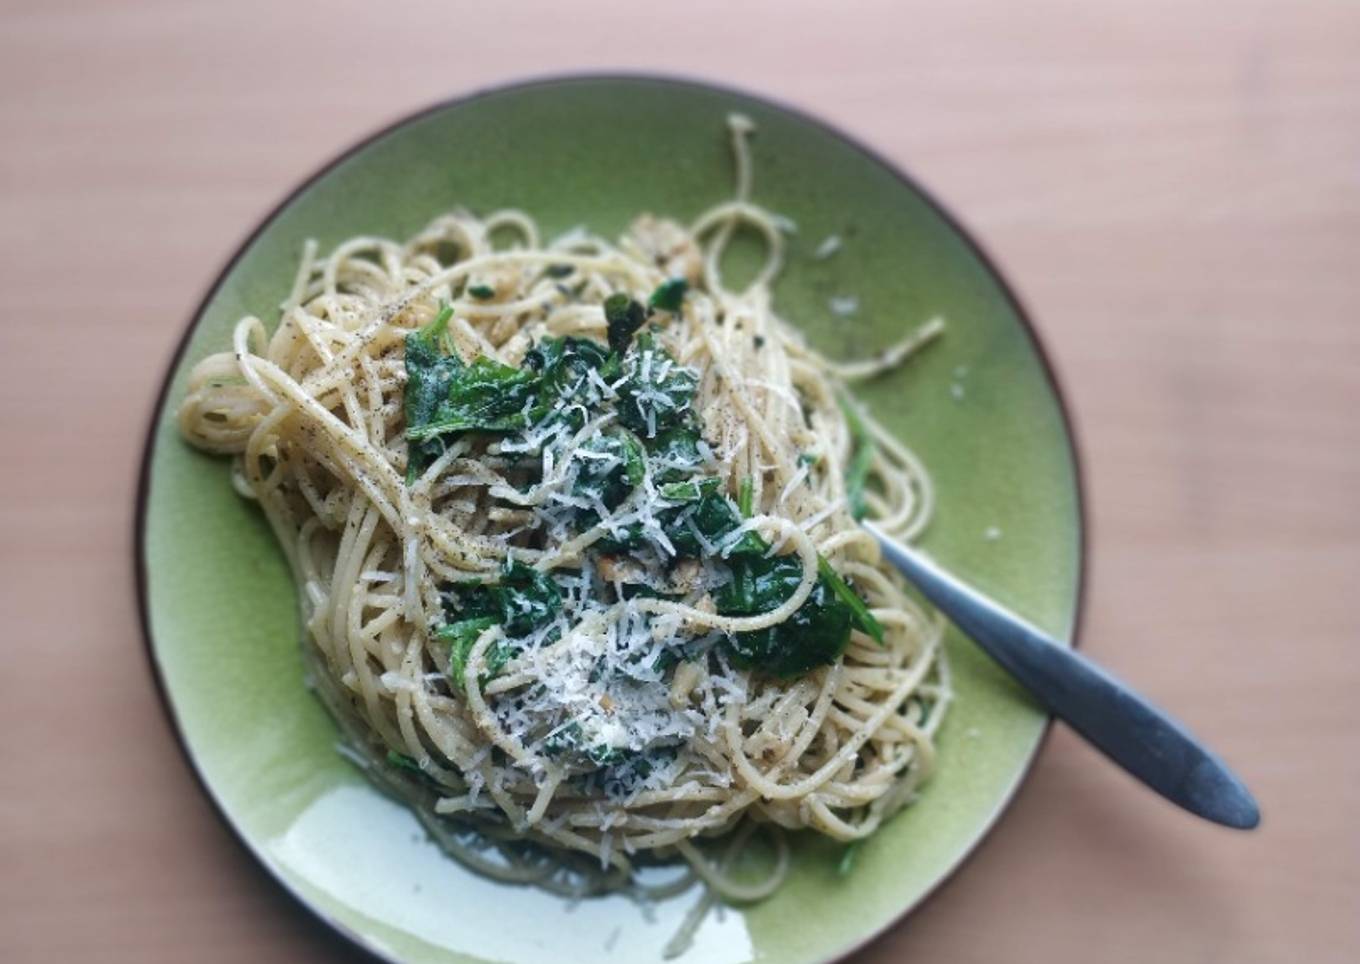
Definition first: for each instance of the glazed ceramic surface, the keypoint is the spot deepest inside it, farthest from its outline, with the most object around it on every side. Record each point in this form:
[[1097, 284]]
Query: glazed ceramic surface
[[979, 407]]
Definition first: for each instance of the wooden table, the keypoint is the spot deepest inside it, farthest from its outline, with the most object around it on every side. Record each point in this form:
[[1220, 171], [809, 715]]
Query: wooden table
[[1175, 190]]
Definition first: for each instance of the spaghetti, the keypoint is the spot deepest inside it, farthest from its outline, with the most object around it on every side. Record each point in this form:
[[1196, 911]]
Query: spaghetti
[[531, 568]]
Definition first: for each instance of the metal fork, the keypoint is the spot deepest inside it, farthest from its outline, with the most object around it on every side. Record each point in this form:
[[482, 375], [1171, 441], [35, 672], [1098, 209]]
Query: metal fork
[[1114, 719]]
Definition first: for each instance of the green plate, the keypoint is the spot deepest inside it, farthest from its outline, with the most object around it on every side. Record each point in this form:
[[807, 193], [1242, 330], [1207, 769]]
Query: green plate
[[980, 407]]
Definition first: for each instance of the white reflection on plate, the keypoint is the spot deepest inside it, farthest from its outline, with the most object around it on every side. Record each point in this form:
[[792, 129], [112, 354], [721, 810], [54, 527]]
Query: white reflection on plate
[[388, 870]]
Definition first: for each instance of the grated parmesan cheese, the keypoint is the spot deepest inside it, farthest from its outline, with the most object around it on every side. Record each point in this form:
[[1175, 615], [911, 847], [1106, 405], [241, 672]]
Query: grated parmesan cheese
[[843, 305], [829, 246]]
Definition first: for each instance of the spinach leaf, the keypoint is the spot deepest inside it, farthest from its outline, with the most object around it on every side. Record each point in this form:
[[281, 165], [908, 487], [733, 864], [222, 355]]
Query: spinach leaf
[[669, 294], [561, 741], [625, 771], [482, 292], [628, 539], [604, 756], [815, 635], [403, 761], [678, 650], [697, 504], [488, 396], [612, 465], [674, 454], [429, 372], [656, 391], [857, 472], [746, 497], [715, 517], [634, 459], [429, 339], [565, 363], [694, 503], [523, 600], [847, 861], [570, 739], [624, 317], [461, 637], [863, 620], [690, 490], [528, 598], [759, 584]]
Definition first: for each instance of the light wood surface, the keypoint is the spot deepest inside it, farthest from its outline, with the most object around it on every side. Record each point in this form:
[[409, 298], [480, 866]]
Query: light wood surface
[[1173, 187]]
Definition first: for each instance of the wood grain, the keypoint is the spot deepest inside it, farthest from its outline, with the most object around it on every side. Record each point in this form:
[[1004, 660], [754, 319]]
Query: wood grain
[[1173, 187]]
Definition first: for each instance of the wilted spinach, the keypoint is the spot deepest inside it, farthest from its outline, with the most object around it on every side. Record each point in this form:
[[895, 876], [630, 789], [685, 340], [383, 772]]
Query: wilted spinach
[[445, 397], [669, 294], [524, 600], [612, 465], [815, 634], [623, 317], [857, 472], [429, 373], [656, 391], [674, 454], [570, 741], [625, 771]]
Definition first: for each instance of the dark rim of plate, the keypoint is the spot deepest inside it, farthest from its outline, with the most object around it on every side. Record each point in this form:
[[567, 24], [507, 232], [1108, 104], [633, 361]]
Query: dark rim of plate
[[336, 927]]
